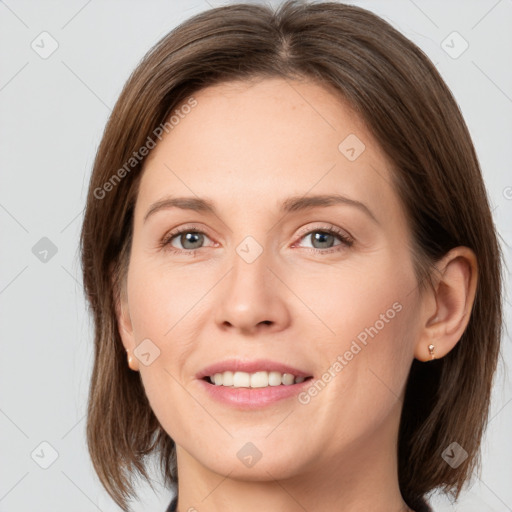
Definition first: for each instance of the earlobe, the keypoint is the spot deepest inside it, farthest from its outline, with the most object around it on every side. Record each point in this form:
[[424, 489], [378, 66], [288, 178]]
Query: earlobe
[[125, 328], [126, 333], [132, 361], [447, 311], [124, 322]]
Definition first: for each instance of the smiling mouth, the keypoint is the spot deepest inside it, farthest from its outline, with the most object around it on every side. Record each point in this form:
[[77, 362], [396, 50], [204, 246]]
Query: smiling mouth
[[262, 379]]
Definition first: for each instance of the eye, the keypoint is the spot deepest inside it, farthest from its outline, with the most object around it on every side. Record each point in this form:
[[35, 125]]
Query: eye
[[192, 239], [324, 237], [189, 238]]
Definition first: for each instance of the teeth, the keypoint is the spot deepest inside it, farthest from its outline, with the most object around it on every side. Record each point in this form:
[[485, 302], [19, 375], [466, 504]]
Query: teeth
[[254, 380]]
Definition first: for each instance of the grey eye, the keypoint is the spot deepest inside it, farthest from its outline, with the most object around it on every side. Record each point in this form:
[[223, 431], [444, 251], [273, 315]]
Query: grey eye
[[191, 240], [323, 239]]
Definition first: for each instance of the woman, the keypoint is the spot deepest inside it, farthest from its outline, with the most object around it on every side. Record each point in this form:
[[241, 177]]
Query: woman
[[293, 269]]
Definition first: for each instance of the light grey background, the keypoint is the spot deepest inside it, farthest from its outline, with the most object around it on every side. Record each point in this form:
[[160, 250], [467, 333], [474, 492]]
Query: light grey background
[[52, 114]]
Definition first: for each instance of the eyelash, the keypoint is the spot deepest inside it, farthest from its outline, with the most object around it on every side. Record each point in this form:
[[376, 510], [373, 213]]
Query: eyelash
[[346, 240]]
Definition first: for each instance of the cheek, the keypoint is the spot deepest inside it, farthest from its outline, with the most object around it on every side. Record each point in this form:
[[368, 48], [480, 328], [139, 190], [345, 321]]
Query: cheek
[[357, 299], [159, 304], [162, 299], [158, 314], [364, 376], [367, 360]]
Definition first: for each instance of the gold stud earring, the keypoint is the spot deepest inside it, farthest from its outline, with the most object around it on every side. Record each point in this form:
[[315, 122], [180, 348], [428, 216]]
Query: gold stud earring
[[431, 350], [131, 362]]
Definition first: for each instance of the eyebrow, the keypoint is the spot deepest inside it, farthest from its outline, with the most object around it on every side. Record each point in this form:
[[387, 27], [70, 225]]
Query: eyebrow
[[290, 205]]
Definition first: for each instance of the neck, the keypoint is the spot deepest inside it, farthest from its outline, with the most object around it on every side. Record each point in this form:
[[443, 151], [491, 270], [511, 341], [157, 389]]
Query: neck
[[364, 477]]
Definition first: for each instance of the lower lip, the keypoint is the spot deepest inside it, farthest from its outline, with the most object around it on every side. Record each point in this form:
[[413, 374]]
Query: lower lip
[[252, 398]]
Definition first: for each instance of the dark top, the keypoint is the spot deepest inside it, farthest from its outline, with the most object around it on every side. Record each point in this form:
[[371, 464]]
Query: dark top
[[172, 505], [420, 507], [423, 506]]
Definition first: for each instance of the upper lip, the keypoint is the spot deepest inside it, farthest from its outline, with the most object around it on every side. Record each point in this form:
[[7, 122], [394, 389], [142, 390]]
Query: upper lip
[[257, 365]]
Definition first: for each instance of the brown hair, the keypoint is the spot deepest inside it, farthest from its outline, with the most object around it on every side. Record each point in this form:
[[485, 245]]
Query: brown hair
[[392, 85]]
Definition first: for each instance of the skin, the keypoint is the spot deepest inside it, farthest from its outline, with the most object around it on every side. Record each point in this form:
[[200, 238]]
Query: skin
[[248, 147]]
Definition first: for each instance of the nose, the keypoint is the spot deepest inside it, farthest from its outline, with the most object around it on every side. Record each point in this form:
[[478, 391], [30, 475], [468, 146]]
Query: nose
[[252, 298]]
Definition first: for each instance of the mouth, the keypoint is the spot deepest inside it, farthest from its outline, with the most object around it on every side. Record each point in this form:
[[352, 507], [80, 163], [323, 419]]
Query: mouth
[[252, 389], [259, 379], [251, 384]]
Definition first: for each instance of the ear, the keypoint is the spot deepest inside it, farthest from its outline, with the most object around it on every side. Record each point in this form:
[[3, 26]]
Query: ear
[[447, 308], [124, 324]]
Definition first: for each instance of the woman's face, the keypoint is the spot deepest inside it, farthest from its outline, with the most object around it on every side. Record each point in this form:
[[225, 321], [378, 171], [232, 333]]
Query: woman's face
[[259, 277]]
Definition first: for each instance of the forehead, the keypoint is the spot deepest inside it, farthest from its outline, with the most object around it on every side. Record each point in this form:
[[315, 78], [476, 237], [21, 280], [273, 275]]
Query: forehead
[[254, 142]]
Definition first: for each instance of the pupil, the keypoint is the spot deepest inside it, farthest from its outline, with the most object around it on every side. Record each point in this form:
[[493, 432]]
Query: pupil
[[322, 237], [189, 238]]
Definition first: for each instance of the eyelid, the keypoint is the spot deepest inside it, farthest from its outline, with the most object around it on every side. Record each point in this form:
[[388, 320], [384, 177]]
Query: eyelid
[[345, 238], [326, 227], [172, 233]]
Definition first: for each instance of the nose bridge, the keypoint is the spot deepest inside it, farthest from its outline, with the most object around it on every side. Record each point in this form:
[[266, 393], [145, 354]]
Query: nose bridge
[[251, 296], [250, 273]]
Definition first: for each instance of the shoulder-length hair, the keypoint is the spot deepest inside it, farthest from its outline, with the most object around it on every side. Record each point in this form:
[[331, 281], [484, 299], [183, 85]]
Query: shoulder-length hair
[[396, 90]]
